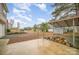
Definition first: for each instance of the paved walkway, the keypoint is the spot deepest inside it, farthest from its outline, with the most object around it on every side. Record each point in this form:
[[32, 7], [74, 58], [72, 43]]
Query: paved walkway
[[39, 47]]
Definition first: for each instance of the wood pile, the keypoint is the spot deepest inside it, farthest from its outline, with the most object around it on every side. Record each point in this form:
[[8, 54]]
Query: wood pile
[[59, 40]]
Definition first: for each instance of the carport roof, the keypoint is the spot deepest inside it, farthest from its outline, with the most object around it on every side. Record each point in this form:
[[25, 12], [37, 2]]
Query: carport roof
[[66, 22]]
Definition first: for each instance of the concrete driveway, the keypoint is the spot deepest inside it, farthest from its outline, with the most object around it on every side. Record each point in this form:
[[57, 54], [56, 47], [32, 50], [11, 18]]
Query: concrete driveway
[[39, 47]]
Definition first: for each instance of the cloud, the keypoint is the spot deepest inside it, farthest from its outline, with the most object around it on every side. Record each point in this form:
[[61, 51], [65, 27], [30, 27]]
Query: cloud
[[41, 6], [10, 17], [40, 20], [30, 15], [17, 11], [24, 17], [21, 19], [23, 6], [20, 10], [20, 15]]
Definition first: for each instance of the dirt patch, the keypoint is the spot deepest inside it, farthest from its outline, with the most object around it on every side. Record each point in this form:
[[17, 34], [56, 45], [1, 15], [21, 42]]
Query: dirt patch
[[27, 36]]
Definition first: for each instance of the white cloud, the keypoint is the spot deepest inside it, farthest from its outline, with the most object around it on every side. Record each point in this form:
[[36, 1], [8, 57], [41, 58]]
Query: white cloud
[[40, 20], [41, 6], [20, 13], [10, 17], [19, 16], [21, 19], [23, 6], [17, 11], [25, 17], [30, 15], [26, 6], [17, 20]]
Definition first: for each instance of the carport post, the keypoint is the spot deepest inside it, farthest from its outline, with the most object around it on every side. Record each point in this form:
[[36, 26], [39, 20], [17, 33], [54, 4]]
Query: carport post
[[73, 32], [53, 28]]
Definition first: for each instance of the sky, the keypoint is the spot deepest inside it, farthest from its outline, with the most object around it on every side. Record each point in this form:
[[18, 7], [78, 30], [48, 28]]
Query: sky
[[29, 14]]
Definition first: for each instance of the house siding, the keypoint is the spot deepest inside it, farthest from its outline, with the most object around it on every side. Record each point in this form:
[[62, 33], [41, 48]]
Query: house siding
[[0, 8], [58, 30], [2, 20]]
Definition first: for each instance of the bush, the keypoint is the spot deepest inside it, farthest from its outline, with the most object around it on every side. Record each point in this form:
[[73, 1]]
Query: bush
[[8, 30]]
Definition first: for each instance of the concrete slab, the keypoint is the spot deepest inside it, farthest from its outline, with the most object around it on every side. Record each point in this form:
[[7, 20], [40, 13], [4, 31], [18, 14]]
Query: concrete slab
[[3, 45], [39, 47]]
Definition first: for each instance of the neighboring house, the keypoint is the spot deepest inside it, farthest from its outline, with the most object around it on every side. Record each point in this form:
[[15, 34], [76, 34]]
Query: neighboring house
[[3, 20], [10, 24]]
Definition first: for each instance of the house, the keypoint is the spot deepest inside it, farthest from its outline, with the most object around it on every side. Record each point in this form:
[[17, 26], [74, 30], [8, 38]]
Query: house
[[3, 20], [10, 24]]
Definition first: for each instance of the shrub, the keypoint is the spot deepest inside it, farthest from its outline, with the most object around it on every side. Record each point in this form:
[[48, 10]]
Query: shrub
[[8, 30]]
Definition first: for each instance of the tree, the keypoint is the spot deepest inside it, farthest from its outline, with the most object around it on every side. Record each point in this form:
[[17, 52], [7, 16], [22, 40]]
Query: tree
[[44, 27], [27, 28], [35, 27], [8, 30], [65, 9]]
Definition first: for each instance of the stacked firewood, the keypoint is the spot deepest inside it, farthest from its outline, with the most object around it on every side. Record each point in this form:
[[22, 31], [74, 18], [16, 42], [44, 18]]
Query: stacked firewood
[[59, 40]]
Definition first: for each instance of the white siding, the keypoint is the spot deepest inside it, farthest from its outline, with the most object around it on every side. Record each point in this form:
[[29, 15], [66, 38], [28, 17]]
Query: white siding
[[58, 30], [0, 8], [2, 17], [2, 30], [50, 30]]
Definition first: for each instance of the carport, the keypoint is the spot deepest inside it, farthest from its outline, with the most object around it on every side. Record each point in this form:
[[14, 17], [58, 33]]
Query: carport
[[69, 22]]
